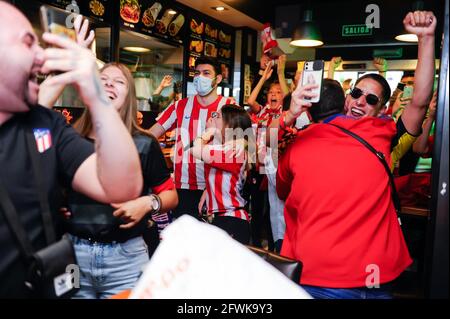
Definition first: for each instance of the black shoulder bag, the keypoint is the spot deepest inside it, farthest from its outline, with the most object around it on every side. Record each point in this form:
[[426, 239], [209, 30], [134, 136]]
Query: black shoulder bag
[[49, 269], [382, 159]]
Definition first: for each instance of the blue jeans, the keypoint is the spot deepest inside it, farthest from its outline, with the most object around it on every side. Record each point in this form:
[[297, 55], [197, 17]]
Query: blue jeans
[[384, 292], [109, 268]]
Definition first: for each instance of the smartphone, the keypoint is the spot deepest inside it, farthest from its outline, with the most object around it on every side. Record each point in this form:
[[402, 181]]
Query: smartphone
[[56, 21], [408, 92], [313, 74], [401, 86]]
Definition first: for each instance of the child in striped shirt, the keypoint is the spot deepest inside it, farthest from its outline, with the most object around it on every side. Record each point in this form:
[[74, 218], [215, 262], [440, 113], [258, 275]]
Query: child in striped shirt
[[225, 169]]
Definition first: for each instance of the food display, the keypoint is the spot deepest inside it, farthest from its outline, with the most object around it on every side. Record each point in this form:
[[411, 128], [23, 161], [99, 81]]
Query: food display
[[211, 32], [151, 14], [225, 71], [225, 53], [192, 62], [223, 37], [196, 46], [210, 50], [176, 25], [196, 27], [97, 8], [130, 10], [212, 39], [163, 23]]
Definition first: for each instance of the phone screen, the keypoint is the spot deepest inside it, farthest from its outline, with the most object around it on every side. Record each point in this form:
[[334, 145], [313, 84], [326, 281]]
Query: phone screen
[[407, 92], [56, 21], [313, 74]]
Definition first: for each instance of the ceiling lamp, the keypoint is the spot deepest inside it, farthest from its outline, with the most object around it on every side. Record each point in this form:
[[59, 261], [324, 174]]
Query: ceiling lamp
[[219, 8], [137, 49], [307, 33], [404, 36]]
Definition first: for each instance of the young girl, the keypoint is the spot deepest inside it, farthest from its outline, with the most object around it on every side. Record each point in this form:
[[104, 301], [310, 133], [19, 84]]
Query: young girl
[[225, 172], [108, 239]]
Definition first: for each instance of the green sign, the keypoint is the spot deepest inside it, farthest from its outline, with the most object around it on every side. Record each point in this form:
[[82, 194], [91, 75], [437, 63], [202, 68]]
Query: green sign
[[388, 53], [356, 30]]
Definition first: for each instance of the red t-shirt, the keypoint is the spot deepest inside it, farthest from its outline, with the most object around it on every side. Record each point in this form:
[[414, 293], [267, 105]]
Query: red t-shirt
[[340, 219], [189, 117]]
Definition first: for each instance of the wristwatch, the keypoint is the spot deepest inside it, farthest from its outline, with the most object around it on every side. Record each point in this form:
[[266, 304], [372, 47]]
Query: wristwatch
[[155, 203]]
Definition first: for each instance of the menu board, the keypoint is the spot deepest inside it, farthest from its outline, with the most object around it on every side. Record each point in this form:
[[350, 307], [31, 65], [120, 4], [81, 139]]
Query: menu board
[[212, 39], [97, 9], [156, 18]]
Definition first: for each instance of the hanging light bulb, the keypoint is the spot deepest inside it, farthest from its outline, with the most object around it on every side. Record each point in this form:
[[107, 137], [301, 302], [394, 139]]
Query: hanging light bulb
[[307, 33]]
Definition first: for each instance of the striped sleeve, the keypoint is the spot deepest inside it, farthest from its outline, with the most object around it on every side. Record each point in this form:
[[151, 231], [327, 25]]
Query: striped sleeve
[[225, 161], [168, 118]]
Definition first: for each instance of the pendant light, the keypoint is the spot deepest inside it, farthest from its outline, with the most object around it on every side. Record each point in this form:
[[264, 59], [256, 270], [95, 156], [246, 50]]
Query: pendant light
[[307, 33]]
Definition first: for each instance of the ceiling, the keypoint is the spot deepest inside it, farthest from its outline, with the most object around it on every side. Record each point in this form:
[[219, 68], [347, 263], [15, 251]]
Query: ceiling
[[232, 15]]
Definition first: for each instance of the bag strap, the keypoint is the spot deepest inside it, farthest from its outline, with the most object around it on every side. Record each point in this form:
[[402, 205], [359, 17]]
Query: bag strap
[[382, 159], [49, 231], [15, 226]]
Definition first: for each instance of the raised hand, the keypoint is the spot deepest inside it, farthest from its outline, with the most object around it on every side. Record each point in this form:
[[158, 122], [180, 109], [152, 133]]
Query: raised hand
[[380, 64], [335, 62], [81, 27], [281, 63], [166, 81], [420, 23], [298, 99], [79, 67], [432, 106], [267, 72]]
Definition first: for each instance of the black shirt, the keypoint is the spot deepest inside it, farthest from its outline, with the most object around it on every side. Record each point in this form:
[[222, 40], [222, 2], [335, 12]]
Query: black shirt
[[94, 220], [62, 151]]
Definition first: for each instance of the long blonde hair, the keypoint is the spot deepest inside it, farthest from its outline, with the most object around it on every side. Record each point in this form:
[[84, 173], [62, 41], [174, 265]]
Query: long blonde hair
[[127, 112]]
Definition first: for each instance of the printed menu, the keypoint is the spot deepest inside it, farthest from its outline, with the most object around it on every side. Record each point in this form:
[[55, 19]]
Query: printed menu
[[156, 18], [97, 9], [210, 38]]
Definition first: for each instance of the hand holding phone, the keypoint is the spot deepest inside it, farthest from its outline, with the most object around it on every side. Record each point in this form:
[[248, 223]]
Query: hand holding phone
[[313, 74], [55, 21], [408, 92]]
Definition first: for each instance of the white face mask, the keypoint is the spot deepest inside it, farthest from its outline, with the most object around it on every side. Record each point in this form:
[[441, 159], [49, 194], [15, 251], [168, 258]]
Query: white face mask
[[203, 85]]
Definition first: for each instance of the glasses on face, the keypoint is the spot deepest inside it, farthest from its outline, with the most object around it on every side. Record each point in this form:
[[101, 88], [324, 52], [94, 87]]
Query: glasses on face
[[371, 99]]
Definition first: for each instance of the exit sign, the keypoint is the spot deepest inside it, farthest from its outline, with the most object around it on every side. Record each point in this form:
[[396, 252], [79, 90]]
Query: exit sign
[[356, 30]]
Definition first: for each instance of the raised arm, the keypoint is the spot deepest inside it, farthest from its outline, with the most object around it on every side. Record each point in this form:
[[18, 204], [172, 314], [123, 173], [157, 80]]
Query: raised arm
[[334, 64], [297, 107], [255, 107], [423, 24], [281, 76], [113, 173], [381, 65], [421, 145], [165, 83]]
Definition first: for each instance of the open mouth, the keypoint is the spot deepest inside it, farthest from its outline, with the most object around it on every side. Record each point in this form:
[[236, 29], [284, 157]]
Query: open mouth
[[111, 95], [33, 78], [357, 112], [274, 101]]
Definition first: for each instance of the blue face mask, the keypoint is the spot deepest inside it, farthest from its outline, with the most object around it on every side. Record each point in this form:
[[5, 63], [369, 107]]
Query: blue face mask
[[203, 85]]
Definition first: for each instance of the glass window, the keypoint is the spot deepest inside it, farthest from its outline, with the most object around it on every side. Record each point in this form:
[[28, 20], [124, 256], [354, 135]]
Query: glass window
[[150, 59]]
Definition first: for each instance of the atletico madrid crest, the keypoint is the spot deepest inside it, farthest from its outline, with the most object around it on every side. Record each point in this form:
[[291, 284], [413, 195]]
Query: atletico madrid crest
[[43, 139]]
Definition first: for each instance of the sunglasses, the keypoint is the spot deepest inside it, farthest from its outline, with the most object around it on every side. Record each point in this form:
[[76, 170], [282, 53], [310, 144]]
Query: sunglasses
[[371, 99]]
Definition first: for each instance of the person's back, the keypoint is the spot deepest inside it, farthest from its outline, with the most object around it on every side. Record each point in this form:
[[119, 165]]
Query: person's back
[[344, 222]]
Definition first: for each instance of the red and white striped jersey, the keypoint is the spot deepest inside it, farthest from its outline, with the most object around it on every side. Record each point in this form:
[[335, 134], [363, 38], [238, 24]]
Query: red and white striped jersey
[[189, 118], [225, 178]]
